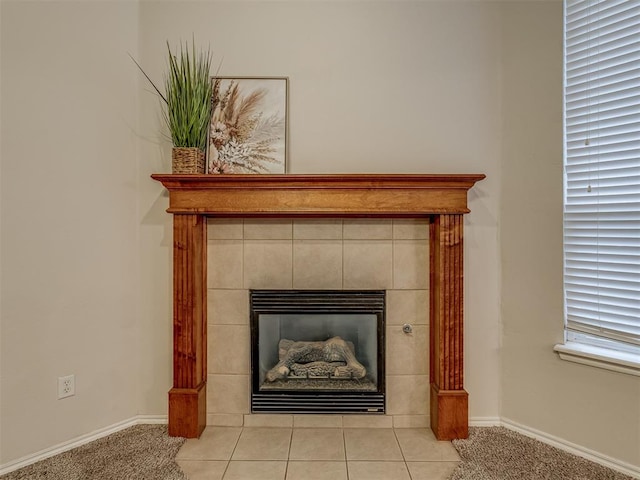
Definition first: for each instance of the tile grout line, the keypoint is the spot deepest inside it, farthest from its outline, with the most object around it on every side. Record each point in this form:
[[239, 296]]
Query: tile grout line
[[292, 266], [342, 260], [242, 267], [344, 444], [226, 469], [393, 260], [404, 459], [286, 465]]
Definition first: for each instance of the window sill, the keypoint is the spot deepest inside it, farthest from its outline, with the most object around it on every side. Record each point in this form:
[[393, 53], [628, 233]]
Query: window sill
[[621, 362]]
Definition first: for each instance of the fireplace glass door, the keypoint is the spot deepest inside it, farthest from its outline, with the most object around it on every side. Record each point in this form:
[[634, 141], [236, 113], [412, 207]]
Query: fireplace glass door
[[317, 351]]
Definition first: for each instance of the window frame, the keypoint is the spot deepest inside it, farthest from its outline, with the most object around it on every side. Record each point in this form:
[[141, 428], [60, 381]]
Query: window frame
[[582, 347]]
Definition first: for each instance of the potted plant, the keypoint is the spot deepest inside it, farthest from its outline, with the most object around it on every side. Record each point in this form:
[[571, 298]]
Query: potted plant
[[187, 100]]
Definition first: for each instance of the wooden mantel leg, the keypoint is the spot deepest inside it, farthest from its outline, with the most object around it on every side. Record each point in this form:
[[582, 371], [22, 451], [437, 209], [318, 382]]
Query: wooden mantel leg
[[187, 398], [449, 400]]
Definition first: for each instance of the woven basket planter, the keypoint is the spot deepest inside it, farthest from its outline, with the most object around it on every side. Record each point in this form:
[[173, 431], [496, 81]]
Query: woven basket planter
[[187, 160]]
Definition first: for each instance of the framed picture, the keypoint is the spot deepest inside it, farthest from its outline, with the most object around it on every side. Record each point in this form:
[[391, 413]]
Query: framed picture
[[248, 128]]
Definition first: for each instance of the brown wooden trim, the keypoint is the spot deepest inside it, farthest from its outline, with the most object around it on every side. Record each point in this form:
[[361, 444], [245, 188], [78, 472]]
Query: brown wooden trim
[[318, 195], [442, 198], [446, 322], [189, 323], [447, 302], [449, 413], [346, 180], [188, 411]]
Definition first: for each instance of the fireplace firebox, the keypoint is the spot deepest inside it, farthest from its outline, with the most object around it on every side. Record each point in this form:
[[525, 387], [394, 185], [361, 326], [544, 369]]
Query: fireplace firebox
[[317, 351]]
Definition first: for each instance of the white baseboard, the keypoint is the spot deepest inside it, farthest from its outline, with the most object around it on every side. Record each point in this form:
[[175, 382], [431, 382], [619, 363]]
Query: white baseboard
[[81, 440], [485, 422], [557, 442], [613, 463]]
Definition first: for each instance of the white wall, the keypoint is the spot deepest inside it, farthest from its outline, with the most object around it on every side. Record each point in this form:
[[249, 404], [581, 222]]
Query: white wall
[[69, 233], [596, 409], [374, 87]]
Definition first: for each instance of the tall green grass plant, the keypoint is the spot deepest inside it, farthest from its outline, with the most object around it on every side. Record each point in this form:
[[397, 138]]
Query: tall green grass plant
[[187, 96]]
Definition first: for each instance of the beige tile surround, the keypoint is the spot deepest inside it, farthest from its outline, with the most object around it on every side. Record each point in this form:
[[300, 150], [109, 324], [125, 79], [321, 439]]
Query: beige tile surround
[[385, 254]]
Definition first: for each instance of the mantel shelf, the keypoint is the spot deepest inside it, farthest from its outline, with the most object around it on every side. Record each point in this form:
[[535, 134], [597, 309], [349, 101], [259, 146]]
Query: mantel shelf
[[440, 198], [373, 195]]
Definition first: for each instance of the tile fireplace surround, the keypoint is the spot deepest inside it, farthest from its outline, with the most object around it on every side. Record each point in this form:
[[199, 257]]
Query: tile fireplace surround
[[401, 233], [323, 254]]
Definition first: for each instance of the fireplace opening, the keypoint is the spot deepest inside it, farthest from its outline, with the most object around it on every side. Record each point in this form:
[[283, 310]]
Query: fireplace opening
[[317, 351]]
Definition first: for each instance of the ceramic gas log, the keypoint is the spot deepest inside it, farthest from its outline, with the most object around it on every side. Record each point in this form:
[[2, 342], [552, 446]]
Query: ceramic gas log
[[333, 358]]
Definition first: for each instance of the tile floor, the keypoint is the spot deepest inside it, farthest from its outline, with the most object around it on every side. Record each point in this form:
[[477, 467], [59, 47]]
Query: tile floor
[[261, 453]]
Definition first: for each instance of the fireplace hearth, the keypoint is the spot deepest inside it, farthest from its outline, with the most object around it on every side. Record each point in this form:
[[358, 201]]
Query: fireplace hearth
[[317, 351]]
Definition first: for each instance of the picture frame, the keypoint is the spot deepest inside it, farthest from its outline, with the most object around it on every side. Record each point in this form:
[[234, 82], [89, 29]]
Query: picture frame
[[248, 130]]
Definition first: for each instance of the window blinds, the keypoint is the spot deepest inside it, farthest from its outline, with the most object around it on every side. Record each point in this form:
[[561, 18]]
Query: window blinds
[[602, 171]]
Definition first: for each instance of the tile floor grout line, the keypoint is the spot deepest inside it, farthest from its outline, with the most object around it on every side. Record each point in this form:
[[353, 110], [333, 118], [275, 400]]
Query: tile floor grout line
[[286, 465], [402, 453], [344, 444], [226, 469]]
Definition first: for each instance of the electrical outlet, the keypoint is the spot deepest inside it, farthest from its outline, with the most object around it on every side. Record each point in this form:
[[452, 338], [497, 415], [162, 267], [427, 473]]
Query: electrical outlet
[[66, 386]]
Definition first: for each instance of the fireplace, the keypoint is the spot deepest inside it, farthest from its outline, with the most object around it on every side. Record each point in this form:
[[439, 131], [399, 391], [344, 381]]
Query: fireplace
[[317, 351], [442, 198]]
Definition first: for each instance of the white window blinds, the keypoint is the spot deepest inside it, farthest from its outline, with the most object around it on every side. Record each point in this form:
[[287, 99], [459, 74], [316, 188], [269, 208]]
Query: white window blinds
[[602, 172]]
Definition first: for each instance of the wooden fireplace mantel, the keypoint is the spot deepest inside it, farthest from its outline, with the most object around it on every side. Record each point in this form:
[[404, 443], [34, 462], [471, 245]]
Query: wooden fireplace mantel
[[441, 198]]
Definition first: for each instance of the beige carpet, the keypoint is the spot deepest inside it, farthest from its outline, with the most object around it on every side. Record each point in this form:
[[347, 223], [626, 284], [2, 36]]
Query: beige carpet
[[496, 453], [146, 452], [142, 452]]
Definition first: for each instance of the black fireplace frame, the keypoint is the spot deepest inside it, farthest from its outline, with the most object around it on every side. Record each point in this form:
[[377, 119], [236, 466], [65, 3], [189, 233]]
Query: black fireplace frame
[[318, 301]]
